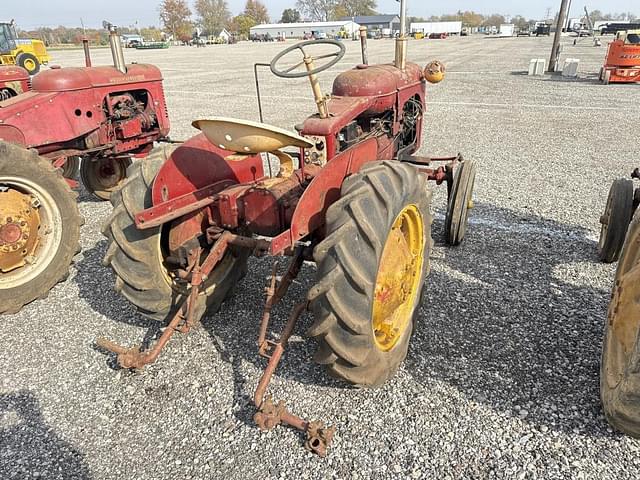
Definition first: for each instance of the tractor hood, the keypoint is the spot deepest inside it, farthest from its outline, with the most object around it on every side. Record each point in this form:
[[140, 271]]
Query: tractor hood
[[373, 80], [72, 78], [13, 74], [26, 119]]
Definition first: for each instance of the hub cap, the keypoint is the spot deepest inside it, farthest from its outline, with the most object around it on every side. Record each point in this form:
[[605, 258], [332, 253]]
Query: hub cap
[[398, 278], [30, 230], [107, 173]]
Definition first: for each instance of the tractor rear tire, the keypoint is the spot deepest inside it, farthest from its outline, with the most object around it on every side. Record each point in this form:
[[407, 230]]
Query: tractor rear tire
[[29, 62], [137, 256], [615, 220], [620, 364], [352, 262], [34, 198]]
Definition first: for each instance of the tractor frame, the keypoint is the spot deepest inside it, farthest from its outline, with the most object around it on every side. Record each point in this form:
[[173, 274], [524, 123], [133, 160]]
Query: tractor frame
[[216, 195]]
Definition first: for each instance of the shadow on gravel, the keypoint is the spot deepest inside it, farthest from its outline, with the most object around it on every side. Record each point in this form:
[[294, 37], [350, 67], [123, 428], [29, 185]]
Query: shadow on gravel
[[499, 322], [513, 325], [29, 448]]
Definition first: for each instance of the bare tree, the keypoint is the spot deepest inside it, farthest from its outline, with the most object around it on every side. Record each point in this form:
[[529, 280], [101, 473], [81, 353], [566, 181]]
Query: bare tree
[[353, 8], [213, 15], [318, 10], [175, 16]]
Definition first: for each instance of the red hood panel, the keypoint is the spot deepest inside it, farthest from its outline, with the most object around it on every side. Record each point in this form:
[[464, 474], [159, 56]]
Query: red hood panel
[[72, 78]]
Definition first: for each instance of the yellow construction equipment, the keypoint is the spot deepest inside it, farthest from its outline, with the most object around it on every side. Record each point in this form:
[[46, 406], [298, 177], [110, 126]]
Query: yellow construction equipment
[[27, 53]]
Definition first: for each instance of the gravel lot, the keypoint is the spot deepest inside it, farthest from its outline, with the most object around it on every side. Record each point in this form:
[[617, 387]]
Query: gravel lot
[[502, 377]]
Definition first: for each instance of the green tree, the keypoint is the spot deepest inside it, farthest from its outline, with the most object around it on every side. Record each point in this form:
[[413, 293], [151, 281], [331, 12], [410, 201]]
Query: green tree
[[241, 24], [213, 15], [175, 16], [151, 33], [472, 19], [256, 10], [290, 15]]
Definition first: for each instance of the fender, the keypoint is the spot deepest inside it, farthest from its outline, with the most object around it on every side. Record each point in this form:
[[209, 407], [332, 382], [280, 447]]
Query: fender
[[198, 163], [323, 190]]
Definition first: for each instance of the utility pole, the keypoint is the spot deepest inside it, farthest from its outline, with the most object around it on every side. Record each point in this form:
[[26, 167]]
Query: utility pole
[[566, 24], [555, 51]]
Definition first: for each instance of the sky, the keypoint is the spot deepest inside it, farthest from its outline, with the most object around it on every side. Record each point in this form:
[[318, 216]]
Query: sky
[[30, 14]]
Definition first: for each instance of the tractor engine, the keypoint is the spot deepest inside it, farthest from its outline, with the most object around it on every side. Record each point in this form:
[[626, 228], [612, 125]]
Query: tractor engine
[[129, 115]]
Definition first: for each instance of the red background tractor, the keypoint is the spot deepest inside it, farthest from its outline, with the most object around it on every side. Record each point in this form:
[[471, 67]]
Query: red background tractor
[[105, 116], [349, 193]]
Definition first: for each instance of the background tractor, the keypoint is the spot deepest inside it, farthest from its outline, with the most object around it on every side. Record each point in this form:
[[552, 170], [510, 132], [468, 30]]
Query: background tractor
[[105, 116], [26, 53], [345, 191], [13, 81], [622, 64]]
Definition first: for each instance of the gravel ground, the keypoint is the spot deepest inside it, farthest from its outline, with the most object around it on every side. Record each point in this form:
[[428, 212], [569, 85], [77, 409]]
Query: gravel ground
[[502, 377]]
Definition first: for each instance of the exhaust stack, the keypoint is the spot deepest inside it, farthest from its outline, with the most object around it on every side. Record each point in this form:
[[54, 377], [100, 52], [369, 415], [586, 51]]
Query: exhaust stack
[[87, 53], [363, 45], [116, 47], [401, 41]]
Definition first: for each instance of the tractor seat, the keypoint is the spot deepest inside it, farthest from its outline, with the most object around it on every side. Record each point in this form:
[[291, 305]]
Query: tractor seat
[[248, 138]]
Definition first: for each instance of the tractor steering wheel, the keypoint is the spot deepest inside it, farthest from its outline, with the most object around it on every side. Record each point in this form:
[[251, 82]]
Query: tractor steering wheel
[[307, 60]]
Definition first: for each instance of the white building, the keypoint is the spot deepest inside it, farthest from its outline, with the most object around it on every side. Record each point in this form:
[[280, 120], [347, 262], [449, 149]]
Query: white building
[[451, 28], [299, 30]]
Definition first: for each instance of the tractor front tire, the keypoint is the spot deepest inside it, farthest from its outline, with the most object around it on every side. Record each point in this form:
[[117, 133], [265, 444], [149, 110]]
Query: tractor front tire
[[615, 220], [39, 227], [620, 364], [373, 262], [102, 176], [29, 62], [137, 256], [459, 203]]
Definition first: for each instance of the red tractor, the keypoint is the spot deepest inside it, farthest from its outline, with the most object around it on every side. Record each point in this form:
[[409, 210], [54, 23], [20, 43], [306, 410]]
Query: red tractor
[[346, 191], [103, 115], [622, 64], [14, 80]]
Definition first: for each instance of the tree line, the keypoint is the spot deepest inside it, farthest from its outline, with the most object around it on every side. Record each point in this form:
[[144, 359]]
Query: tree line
[[211, 16]]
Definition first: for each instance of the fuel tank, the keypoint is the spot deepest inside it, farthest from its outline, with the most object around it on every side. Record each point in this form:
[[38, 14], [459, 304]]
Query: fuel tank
[[375, 80]]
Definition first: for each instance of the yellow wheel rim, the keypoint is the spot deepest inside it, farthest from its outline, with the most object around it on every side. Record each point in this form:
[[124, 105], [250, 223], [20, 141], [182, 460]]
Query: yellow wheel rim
[[398, 278], [30, 65]]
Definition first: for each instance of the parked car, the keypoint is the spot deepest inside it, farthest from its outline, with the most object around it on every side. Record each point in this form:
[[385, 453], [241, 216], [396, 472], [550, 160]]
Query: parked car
[[543, 30], [524, 32]]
